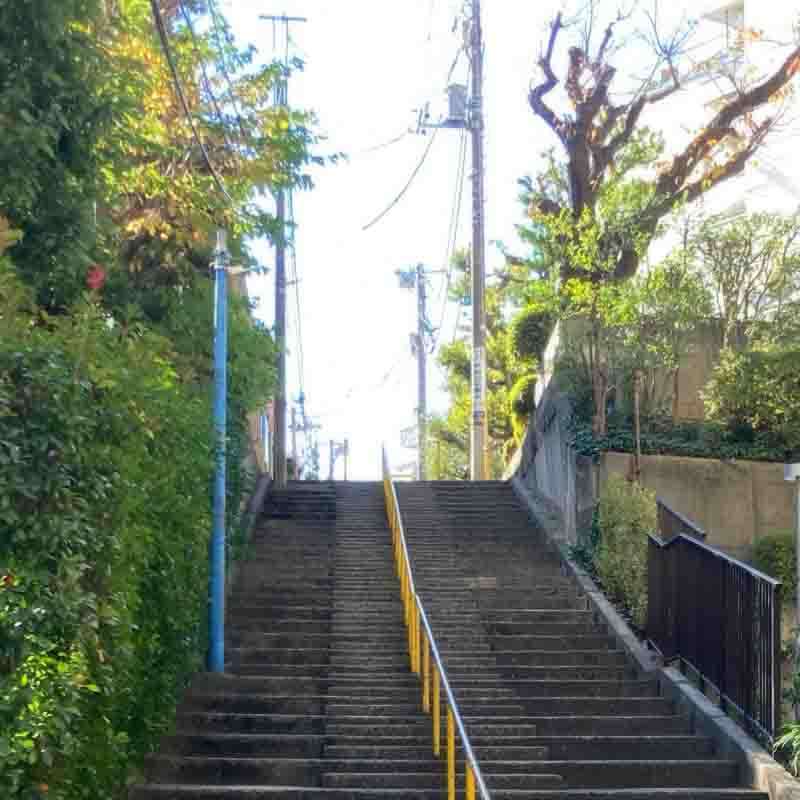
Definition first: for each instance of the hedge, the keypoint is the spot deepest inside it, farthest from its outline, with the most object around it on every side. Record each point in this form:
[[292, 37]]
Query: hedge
[[775, 554]]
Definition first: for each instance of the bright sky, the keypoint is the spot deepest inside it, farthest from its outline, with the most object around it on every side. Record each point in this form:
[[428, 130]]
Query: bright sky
[[368, 66]]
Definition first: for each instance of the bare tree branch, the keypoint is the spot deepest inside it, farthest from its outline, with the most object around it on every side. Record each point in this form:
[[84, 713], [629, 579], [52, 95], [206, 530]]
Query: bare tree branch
[[536, 95]]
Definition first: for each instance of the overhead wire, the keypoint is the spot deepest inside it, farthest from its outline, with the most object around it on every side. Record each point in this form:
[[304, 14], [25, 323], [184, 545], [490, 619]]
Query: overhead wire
[[405, 188], [176, 80], [455, 217], [298, 303], [384, 145]]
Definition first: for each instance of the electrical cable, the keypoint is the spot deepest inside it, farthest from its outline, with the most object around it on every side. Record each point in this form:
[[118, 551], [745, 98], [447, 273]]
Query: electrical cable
[[408, 183], [165, 46], [298, 303], [455, 218], [384, 144], [204, 76]]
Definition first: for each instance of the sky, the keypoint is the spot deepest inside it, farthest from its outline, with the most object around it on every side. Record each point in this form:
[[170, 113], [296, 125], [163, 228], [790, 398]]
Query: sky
[[368, 67]]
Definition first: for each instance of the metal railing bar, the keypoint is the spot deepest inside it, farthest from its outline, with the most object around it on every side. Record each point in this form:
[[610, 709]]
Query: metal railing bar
[[685, 521], [428, 664], [462, 733], [666, 545]]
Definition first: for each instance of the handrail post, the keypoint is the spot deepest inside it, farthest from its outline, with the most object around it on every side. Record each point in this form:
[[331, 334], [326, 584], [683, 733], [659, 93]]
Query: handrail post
[[470, 782], [417, 659], [426, 674], [437, 710], [451, 755]]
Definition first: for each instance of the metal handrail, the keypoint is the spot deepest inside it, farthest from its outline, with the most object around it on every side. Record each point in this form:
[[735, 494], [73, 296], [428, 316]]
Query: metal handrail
[[667, 544], [422, 648]]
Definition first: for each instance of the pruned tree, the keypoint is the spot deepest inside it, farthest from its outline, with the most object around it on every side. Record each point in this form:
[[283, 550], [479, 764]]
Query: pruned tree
[[751, 265], [607, 111]]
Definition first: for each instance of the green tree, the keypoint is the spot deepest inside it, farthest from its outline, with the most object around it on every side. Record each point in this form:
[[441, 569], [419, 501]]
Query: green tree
[[751, 266], [604, 119], [509, 389]]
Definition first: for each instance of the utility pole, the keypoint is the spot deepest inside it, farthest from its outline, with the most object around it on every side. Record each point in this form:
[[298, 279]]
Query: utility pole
[[422, 355], [279, 459], [346, 455], [409, 279], [279, 452], [478, 427], [333, 461], [294, 438]]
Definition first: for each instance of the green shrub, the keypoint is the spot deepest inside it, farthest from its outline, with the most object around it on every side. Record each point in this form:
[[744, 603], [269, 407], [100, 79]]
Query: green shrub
[[626, 514], [105, 476], [523, 403], [775, 555], [755, 392], [530, 330]]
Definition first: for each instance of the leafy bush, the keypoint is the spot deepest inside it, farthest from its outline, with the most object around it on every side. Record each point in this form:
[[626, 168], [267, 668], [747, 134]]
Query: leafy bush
[[661, 436], [775, 554], [626, 514], [530, 330], [105, 475], [523, 403], [756, 392]]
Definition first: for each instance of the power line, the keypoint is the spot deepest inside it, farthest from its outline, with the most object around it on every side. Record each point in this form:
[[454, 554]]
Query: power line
[[165, 46], [408, 184], [455, 217], [383, 145], [296, 280]]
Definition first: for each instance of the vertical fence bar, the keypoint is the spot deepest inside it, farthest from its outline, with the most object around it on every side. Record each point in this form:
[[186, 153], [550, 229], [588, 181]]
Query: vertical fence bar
[[437, 708], [722, 619], [776, 694], [426, 674], [417, 648], [451, 755], [470, 782]]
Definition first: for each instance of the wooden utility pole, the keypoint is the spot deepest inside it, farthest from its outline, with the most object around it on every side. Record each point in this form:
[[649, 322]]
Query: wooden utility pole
[[478, 427], [279, 441], [422, 389]]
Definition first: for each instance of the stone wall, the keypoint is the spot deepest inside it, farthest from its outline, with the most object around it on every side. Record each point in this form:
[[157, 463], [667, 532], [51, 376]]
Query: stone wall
[[547, 463], [735, 502]]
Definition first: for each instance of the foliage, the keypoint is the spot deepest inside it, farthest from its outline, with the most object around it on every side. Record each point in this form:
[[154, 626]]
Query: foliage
[[54, 112], [523, 403], [662, 436], [776, 555], [755, 393], [626, 515], [788, 744], [449, 435], [599, 116], [751, 266], [530, 330], [105, 468]]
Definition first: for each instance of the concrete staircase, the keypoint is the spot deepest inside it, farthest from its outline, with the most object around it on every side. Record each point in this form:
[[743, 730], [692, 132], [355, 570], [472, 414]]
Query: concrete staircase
[[546, 693], [318, 700]]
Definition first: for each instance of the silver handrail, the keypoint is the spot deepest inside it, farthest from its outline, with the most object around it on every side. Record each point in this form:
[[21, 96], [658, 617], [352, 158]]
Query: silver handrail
[[420, 653]]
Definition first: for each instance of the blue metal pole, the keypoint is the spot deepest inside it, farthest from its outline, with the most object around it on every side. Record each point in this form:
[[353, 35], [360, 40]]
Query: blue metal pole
[[216, 593]]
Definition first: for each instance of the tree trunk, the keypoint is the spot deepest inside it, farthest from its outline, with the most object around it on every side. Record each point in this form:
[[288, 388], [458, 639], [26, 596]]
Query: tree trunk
[[599, 390], [675, 395], [637, 390]]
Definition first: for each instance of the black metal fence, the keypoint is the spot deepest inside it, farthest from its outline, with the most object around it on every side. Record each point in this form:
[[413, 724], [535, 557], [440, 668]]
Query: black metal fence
[[723, 619], [671, 523]]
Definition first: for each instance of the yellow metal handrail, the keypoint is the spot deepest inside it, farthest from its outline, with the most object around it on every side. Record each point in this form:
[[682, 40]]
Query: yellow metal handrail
[[426, 661]]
